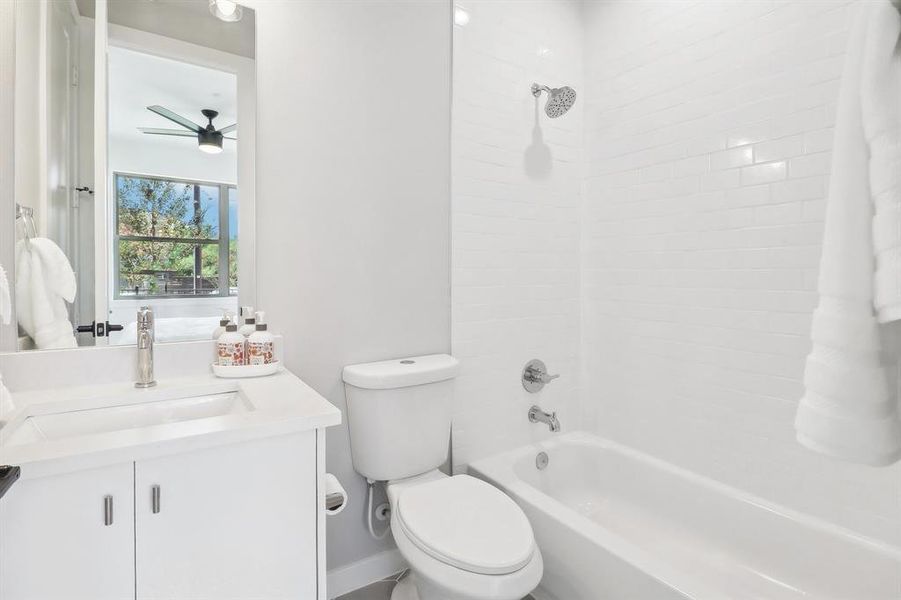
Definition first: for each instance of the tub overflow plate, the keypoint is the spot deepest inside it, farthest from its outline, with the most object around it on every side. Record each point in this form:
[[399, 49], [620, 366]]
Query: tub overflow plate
[[541, 461]]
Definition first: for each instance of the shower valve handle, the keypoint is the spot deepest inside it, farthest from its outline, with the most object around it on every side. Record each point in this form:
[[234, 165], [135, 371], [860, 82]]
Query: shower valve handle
[[535, 376]]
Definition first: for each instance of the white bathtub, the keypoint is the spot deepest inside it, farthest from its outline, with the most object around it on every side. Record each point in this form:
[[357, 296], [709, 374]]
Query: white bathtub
[[613, 523]]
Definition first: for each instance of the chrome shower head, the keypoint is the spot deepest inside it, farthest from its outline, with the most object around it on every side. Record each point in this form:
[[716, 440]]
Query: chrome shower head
[[559, 100]]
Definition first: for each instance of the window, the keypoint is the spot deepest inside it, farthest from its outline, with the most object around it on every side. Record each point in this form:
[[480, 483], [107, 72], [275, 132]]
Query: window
[[175, 238]]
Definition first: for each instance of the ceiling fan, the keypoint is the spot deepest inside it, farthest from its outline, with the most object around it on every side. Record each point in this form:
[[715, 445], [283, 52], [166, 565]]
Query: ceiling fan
[[208, 138]]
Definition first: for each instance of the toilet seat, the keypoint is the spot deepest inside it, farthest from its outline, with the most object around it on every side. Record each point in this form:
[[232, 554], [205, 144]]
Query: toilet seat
[[466, 523], [458, 584]]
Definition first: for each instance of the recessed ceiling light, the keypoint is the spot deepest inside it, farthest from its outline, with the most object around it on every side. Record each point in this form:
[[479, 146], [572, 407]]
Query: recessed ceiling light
[[461, 16], [226, 10]]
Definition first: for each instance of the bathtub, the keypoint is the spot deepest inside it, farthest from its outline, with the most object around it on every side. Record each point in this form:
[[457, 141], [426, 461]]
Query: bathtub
[[613, 523]]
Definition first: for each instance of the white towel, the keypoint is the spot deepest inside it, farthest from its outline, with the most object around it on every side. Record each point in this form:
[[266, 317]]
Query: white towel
[[45, 282], [5, 303], [881, 104], [850, 407]]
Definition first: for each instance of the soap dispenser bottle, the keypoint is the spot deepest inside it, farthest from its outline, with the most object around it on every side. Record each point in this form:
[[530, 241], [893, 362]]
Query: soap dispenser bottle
[[249, 325], [231, 347], [225, 320], [261, 343]]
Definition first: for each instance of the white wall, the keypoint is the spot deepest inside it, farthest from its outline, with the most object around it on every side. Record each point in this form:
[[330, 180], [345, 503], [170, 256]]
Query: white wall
[[167, 159], [84, 305], [708, 132], [159, 58], [516, 201], [353, 199], [29, 36]]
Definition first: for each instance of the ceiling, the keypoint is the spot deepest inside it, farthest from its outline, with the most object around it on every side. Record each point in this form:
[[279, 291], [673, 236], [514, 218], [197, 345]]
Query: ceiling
[[185, 20], [138, 80]]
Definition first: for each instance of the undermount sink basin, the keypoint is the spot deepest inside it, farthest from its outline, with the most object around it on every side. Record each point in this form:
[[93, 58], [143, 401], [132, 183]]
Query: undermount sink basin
[[73, 423]]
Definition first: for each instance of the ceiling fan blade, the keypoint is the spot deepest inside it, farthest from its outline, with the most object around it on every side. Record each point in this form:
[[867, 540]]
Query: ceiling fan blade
[[229, 129], [165, 112], [157, 131]]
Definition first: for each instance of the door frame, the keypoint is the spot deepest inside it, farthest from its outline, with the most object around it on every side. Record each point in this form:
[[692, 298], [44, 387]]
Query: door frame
[[101, 186], [8, 332]]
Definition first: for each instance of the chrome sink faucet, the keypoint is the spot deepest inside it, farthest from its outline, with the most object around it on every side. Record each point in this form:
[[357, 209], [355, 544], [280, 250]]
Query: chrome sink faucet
[[145, 348], [536, 415]]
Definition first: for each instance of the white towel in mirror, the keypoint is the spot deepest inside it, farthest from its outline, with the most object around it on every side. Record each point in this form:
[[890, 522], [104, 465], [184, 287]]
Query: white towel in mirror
[[45, 282]]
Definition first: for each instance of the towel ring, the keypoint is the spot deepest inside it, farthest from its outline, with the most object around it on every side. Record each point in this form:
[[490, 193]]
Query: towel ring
[[25, 215]]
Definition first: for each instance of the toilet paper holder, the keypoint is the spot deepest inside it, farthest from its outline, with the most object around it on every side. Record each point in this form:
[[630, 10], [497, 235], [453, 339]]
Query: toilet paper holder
[[335, 495], [333, 501]]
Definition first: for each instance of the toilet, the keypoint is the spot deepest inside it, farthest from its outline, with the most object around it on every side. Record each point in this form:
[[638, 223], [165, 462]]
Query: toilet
[[463, 538]]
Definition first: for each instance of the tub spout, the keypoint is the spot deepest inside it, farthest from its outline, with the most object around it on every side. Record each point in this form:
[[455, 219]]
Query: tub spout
[[536, 415]]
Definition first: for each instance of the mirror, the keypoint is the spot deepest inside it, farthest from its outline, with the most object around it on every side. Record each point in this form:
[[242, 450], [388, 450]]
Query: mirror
[[134, 174]]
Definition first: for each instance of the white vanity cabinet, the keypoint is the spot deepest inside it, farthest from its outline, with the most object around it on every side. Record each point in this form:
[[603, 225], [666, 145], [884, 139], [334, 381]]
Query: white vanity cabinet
[[233, 522], [69, 536], [227, 522]]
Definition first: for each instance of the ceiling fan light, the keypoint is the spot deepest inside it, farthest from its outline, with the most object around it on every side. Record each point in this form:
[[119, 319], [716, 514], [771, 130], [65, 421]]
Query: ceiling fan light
[[226, 10], [210, 141]]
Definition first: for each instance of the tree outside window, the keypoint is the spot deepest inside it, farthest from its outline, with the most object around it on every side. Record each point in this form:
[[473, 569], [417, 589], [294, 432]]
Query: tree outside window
[[175, 238]]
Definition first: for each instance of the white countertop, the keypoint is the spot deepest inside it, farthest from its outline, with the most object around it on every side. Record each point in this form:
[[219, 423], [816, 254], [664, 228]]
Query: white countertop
[[279, 404]]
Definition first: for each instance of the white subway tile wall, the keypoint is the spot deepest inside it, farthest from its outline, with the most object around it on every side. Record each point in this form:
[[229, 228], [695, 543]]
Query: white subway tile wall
[[708, 138], [515, 209]]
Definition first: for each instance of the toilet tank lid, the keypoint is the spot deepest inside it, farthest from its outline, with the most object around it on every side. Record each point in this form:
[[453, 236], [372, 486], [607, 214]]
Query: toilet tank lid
[[402, 372]]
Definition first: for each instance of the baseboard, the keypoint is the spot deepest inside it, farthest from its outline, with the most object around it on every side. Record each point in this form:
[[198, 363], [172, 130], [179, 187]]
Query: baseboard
[[541, 594], [348, 578]]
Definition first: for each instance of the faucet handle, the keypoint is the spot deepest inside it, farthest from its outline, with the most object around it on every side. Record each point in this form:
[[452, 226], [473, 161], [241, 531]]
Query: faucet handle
[[535, 376]]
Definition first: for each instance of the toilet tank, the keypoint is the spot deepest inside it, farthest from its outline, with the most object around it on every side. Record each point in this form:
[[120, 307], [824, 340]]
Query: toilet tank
[[399, 415]]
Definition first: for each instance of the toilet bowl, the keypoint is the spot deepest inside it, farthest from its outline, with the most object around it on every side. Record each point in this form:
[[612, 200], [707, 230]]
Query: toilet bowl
[[463, 539]]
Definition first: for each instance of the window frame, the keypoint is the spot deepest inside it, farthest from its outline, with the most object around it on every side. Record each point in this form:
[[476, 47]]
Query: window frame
[[222, 243]]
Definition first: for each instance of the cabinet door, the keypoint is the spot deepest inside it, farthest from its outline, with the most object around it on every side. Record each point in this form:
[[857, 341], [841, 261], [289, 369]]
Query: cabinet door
[[234, 522], [58, 540]]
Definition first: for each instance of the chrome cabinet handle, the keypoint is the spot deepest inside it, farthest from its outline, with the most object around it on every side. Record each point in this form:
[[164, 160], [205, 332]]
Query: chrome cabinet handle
[[107, 510], [155, 499]]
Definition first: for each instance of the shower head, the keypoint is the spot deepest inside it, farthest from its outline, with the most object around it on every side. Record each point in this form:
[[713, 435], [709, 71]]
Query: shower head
[[559, 100]]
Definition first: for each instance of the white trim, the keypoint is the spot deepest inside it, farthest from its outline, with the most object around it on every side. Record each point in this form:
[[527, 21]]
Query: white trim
[[541, 594], [321, 575], [8, 334], [155, 44], [102, 283], [363, 572], [42, 211]]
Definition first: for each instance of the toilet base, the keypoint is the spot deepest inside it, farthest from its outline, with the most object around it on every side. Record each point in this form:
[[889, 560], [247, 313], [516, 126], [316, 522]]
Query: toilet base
[[409, 588], [405, 589]]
